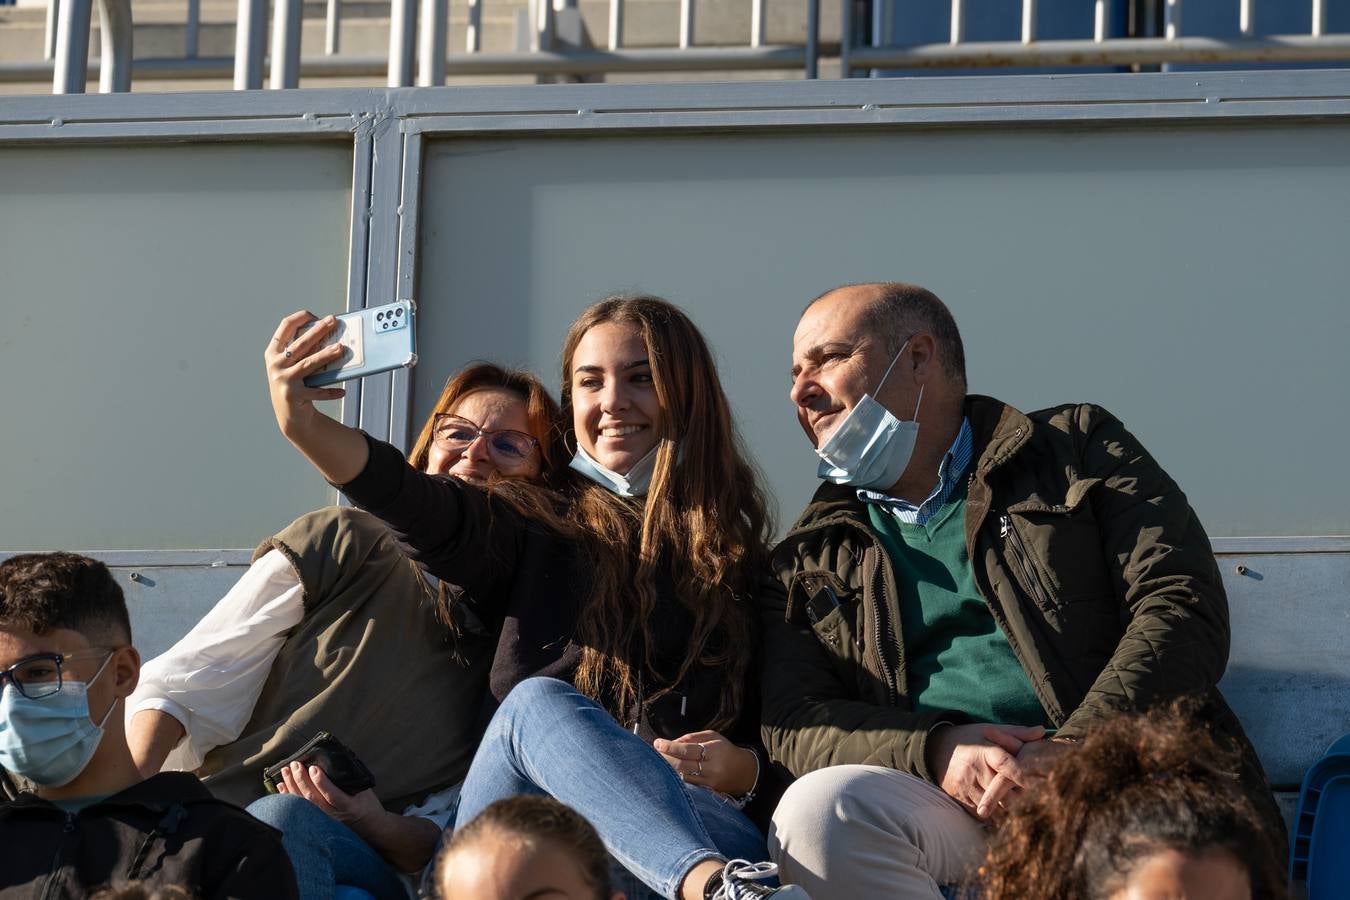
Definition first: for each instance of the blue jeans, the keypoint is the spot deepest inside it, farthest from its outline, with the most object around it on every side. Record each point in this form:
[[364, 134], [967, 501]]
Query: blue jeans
[[326, 854], [549, 738]]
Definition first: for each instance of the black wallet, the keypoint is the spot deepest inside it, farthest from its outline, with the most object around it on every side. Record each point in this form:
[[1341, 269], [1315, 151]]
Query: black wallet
[[338, 762]]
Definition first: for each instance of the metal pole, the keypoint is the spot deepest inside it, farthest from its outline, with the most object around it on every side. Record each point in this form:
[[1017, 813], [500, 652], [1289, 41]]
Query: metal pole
[[431, 49], [72, 47], [880, 33], [615, 24], [287, 19], [473, 34], [958, 21], [115, 46], [686, 24], [845, 38], [49, 39], [812, 38], [1319, 17], [543, 30], [1101, 15], [250, 41], [193, 30], [402, 34], [1172, 19], [1334, 46], [756, 23], [332, 28], [1246, 21], [1028, 21]]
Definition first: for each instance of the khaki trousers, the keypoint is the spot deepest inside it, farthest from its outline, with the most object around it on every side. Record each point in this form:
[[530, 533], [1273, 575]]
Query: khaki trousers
[[867, 832]]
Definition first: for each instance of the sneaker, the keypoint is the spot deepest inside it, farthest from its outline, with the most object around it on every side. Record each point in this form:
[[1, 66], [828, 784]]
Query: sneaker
[[740, 881]]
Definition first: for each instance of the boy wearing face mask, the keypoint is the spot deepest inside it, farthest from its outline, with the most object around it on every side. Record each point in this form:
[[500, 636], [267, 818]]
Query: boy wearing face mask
[[76, 814]]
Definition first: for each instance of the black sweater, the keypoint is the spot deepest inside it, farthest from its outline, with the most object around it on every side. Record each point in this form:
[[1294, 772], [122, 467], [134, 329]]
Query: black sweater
[[166, 830], [532, 582]]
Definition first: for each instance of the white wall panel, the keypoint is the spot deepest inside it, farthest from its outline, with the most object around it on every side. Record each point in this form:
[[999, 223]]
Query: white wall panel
[[139, 286], [1192, 279]]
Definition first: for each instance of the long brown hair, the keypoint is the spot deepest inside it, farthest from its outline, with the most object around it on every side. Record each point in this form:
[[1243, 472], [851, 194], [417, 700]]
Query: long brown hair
[[527, 496], [1137, 786], [704, 517]]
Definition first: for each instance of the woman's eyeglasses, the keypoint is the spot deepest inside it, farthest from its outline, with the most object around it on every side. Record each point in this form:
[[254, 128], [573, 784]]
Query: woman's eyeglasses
[[454, 434]]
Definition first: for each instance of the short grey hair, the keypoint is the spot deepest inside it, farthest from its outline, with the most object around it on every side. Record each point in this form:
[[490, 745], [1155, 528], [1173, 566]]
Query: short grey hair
[[899, 310]]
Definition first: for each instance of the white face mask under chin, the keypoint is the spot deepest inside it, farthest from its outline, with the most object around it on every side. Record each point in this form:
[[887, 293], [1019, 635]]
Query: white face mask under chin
[[634, 484], [871, 448]]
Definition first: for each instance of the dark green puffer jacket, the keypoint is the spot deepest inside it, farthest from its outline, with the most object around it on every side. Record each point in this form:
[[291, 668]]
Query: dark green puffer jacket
[[1091, 561]]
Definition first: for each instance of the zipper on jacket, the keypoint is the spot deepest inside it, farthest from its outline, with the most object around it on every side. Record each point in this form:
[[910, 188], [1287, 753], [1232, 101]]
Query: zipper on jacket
[[883, 641], [67, 829], [883, 635], [1022, 560]]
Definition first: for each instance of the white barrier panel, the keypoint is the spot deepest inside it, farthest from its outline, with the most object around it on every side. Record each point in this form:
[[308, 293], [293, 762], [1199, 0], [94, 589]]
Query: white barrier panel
[[141, 284], [1191, 279]]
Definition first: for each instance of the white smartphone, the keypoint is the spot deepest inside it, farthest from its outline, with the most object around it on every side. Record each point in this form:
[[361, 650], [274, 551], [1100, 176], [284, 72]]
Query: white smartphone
[[376, 339]]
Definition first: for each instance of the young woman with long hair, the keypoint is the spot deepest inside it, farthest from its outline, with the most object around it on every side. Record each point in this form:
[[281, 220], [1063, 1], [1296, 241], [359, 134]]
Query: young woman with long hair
[[636, 606]]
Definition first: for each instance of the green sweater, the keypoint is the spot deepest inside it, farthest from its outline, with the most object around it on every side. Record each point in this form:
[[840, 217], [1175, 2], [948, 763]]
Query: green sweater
[[956, 656]]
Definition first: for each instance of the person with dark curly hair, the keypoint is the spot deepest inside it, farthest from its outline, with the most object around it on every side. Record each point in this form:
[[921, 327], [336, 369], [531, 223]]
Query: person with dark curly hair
[[1148, 808]]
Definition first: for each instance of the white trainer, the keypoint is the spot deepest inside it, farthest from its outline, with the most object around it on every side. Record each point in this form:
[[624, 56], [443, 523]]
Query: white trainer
[[740, 880]]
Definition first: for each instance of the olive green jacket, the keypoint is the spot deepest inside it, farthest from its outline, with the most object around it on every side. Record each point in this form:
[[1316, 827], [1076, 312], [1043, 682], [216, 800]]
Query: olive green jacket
[[1088, 554]]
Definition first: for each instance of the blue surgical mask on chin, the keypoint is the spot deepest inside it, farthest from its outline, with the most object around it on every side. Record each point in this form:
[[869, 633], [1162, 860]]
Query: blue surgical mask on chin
[[634, 484], [871, 448], [50, 741]]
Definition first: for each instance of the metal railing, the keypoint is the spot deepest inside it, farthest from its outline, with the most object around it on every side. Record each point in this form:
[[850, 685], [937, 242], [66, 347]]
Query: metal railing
[[418, 45], [1100, 50], [421, 36], [67, 44]]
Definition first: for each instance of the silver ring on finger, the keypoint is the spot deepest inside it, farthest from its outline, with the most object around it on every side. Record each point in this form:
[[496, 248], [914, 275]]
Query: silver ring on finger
[[699, 773], [287, 354]]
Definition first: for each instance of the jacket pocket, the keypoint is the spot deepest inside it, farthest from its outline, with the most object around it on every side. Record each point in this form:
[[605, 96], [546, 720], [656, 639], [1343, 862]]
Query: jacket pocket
[[1059, 548], [824, 602]]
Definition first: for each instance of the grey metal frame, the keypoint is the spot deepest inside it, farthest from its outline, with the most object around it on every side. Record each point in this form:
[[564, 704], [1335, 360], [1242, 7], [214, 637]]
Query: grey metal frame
[[388, 131]]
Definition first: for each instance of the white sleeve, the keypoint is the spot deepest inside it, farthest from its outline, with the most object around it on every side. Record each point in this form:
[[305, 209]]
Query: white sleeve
[[210, 680], [439, 808]]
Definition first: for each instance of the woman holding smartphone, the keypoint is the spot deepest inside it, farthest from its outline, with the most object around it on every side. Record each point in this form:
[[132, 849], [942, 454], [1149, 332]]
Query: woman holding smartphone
[[333, 628], [637, 606]]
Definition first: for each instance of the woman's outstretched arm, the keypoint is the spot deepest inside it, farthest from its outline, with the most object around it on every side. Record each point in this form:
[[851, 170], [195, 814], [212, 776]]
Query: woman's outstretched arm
[[336, 450]]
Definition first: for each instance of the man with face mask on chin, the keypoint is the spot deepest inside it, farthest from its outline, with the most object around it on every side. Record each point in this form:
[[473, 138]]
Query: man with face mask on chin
[[967, 594], [76, 815]]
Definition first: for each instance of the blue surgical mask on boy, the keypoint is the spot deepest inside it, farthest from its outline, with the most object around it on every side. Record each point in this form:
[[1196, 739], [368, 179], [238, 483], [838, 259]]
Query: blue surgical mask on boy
[[871, 447], [50, 741], [634, 484]]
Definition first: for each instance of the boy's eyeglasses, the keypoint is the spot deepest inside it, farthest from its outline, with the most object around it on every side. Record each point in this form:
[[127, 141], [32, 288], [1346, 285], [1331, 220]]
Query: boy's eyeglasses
[[41, 674]]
